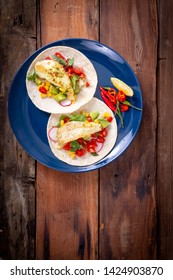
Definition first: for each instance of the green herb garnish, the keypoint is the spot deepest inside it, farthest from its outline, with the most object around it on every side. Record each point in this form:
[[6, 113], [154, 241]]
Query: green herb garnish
[[74, 146]]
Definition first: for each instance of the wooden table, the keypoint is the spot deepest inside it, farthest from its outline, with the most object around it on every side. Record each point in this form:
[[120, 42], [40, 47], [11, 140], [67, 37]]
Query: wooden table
[[125, 209]]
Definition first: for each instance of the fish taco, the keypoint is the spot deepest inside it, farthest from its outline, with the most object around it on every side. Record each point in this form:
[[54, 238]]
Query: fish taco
[[61, 79], [85, 136]]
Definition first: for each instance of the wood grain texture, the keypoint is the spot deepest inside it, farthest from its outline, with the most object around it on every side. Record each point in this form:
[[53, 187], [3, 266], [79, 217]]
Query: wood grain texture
[[17, 205], [67, 225], [66, 215], [165, 132], [124, 210], [127, 186]]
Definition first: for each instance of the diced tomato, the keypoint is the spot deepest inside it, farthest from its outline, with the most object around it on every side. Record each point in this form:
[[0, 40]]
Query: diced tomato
[[89, 119], [70, 70], [80, 152], [58, 54], [42, 89], [91, 145], [91, 150], [87, 84], [109, 119], [80, 140], [67, 146], [100, 139], [66, 120], [78, 70], [103, 132], [82, 75], [94, 135]]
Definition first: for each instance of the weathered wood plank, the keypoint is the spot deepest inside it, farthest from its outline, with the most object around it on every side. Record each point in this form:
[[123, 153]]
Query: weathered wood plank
[[67, 204], [66, 215], [165, 132], [127, 186], [17, 208]]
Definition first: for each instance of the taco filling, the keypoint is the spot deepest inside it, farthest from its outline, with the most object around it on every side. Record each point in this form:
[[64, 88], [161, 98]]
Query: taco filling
[[82, 133], [85, 136], [57, 78], [61, 80]]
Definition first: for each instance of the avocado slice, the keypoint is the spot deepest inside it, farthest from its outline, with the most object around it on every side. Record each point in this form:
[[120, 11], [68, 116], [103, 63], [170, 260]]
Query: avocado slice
[[53, 90], [59, 97], [104, 123], [37, 81], [94, 115]]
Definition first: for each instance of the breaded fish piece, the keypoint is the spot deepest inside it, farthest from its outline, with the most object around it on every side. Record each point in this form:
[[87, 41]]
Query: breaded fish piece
[[74, 130], [54, 73]]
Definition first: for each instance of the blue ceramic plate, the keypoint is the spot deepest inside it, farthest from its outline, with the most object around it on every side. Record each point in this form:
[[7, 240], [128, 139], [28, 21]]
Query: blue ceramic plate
[[29, 123]]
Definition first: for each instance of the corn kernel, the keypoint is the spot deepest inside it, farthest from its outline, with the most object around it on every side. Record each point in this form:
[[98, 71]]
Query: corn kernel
[[86, 121], [46, 87], [72, 154], [47, 84], [96, 121], [62, 122], [61, 89], [49, 94], [86, 114], [42, 95], [106, 115]]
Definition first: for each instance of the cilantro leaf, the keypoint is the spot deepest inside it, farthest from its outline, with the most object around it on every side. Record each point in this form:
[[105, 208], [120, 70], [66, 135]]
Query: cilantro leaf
[[70, 61], [74, 146], [31, 76], [94, 154], [60, 60], [62, 117]]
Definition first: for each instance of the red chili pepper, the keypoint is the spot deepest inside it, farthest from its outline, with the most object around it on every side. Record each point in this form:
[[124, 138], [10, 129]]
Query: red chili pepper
[[104, 91], [112, 98], [48, 58], [42, 89], [111, 94], [121, 96], [87, 84], [124, 107], [108, 102]]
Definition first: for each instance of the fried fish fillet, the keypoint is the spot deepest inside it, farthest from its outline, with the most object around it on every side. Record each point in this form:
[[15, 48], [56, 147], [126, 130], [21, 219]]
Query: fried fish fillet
[[74, 130], [54, 73]]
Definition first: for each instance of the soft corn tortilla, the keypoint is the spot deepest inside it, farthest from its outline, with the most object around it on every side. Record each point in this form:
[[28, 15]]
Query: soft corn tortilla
[[88, 159], [49, 104]]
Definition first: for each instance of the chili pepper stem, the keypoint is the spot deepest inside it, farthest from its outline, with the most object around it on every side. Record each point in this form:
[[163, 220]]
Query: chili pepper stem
[[118, 112], [121, 119], [129, 104], [135, 107]]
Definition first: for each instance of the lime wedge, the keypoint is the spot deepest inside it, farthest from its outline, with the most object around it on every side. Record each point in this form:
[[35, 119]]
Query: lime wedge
[[120, 85]]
